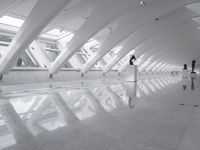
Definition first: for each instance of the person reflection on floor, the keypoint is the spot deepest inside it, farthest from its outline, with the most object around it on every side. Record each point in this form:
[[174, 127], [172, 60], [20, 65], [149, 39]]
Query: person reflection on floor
[[131, 103], [185, 82], [131, 92], [192, 83], [184, 87]]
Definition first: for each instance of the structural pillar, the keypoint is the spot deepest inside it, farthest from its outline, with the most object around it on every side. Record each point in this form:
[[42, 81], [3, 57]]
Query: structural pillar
[[132, 73]]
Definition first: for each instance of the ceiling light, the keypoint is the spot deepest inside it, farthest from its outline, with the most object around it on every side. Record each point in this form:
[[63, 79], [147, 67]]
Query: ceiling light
[[142, 2]]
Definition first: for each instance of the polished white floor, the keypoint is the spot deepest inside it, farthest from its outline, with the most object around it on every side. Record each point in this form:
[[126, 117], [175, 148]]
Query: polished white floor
[[158, 114]]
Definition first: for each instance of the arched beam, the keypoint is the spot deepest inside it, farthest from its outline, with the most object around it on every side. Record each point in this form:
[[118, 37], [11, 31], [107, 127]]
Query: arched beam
[[71, 13], [152, 46], [143, 16], [176, 33], [96, 21], [31, 29], [169, 47], [6, 5], [164, 26], [155, 43], [39, 54]]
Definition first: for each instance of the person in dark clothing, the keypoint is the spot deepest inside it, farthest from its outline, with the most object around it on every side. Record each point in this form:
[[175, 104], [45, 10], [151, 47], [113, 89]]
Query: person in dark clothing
[[184, 87], [185, 67], [19, 62]]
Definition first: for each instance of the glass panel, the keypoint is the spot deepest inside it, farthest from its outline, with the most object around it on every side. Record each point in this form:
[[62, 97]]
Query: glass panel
[[7, 20], [25, 60]]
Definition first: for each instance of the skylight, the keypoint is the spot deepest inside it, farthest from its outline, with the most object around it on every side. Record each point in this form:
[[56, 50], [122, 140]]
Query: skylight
[[7, 20], [56, 32], [116, 50]]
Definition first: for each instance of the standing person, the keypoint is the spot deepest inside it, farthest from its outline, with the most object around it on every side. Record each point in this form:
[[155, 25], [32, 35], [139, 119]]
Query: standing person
[[185, 67], [185, 71], [19, 62]]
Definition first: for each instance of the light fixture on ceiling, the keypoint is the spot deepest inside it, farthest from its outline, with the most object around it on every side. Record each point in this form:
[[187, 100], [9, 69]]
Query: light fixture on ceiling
[[142, 2]]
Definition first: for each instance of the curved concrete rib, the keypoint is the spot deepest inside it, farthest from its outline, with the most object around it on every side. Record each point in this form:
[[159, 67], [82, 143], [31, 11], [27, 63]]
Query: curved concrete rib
[[154, 62], [97, 21], [181, 29], [186, 42], [165, 58], [154, 65], [18, 129], [163, 67], [94, 101], [148, 31], [68, 15], [6, 5], [155, 68], [159, 62], [159, 49], [63, 110], [150, 45], [31, 29], [124, 29], [39, 54]]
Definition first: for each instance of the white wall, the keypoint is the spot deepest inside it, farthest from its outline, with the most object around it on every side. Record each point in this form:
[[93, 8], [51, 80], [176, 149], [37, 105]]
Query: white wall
[[17, 77]]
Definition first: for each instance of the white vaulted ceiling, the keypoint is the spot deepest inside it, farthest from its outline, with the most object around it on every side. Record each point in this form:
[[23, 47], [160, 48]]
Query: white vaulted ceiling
[[161, 31]]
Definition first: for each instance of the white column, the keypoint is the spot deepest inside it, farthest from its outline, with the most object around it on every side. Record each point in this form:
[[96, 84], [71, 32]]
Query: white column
[[62, 108], [126, 27], [94, 101], [17, 127], [115, 97], [39, 54], [95, 22], [35, 22], [69, 14], [74, 61], [132, 73], [146, 32], [135, 73]]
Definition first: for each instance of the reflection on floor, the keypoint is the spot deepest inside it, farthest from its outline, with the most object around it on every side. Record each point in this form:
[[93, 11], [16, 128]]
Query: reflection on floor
[[158, 114]]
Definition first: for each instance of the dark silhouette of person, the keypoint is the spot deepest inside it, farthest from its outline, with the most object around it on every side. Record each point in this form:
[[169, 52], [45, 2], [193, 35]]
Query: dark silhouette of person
[[19, 62], [131, 102], [132, 59], [184, 87], [185, 67], [192, 84], [193, 65]]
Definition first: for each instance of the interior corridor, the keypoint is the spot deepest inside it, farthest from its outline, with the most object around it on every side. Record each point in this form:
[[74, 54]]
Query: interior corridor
[[99, 74]]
